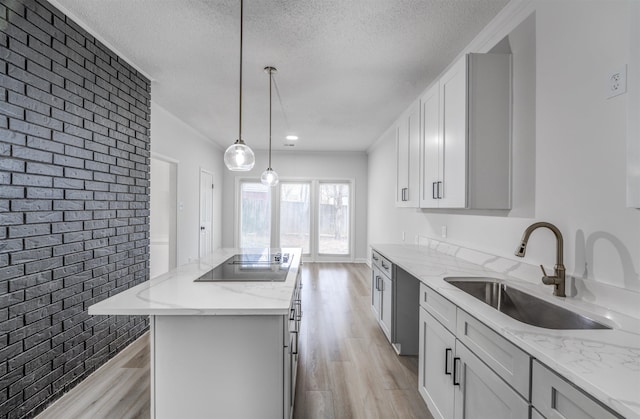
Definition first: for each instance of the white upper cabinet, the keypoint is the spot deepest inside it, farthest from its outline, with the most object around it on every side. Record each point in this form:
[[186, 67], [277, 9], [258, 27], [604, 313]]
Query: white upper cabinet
[[466, 136], [408, 157], [430, 159]]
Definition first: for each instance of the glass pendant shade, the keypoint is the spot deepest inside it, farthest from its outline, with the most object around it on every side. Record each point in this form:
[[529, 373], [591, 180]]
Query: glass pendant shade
[[269, 177], [239, 157]]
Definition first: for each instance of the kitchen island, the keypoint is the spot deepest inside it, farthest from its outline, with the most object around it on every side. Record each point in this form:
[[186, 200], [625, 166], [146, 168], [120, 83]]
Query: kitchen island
[[218, 349]]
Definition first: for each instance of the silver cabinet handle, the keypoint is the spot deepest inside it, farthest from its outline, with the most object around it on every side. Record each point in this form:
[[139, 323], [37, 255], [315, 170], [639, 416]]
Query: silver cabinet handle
[[298, 310]]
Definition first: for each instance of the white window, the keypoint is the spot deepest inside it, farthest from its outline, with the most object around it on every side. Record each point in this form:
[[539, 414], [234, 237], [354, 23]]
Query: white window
[[255, 214], [315, 215], [295, 215]]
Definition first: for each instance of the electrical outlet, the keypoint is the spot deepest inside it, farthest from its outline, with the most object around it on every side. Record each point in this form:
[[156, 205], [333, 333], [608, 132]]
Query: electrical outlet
[[617, 82], [443, 232]]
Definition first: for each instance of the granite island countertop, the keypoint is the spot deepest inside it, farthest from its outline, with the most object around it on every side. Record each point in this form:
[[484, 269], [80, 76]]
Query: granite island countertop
[[176, 293], [604, 363]]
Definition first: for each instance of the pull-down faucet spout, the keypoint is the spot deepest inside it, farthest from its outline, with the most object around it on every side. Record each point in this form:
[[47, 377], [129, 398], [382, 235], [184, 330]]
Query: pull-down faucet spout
[[558, 279]]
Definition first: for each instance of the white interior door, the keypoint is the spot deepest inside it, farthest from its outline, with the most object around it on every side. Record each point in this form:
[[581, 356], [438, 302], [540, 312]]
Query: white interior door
[[163, 216], [206, 213]]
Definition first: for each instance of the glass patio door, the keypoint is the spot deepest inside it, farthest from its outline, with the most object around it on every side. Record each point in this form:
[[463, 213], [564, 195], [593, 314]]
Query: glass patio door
[[314, 215], [333, 219], [255, 215], [295, 215]]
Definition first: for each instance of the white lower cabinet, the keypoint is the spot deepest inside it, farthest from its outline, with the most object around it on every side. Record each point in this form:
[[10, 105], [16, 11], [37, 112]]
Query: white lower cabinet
[[556, 398], [291, 350], [455, 383], [466, 370], [386, 306], [480, 392], [381, 300], [435, 369], [376, 297], [394, 294], [226, 366], [382, 292]]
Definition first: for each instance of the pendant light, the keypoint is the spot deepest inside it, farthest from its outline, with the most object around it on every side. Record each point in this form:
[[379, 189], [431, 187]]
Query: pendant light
[[239, 157], [269, 177]]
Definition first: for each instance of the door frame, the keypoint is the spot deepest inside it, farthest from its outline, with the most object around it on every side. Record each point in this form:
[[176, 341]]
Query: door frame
[[173, 230], [208, 172]]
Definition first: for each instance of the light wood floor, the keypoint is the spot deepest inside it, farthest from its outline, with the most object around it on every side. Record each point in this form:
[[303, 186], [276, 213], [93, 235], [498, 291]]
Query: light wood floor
[[347, 368], [118, 389]]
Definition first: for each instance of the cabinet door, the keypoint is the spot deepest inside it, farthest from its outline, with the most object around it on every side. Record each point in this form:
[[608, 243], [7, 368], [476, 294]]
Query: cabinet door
[[481, 393], [453, 104], [402, 158], [408, 157], [289, 378], [435, 366], [430, 187], [386, 308], [413, 121], [376, 279], [556, 398]]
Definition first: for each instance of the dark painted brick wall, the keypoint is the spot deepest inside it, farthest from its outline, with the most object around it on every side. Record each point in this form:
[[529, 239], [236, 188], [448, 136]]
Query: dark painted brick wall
[[74, 202]]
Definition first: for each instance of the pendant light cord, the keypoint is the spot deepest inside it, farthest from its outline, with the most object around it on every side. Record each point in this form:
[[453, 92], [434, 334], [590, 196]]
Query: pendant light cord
[[284, 114], [240, 106], [270, 83]]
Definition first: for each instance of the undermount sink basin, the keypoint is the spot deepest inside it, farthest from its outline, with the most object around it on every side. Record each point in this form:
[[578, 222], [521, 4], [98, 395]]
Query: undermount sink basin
[[522, 306]]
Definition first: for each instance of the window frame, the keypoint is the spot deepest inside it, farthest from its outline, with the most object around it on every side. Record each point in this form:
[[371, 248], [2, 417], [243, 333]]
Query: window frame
[[314, 255]]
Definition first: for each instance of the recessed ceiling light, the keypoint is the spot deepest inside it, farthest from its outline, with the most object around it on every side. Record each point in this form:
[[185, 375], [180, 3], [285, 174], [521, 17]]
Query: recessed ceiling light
[[291, 137]]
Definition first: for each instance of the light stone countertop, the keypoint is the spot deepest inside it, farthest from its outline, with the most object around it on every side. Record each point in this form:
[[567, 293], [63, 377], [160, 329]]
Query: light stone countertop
[[604, 363], [176, 293]]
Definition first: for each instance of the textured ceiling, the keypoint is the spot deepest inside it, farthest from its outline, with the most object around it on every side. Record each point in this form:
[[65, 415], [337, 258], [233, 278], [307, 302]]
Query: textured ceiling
[[346, 68]]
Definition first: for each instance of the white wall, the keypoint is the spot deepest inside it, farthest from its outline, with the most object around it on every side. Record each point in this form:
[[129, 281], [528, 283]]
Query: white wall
[[306, 165], [172, 138], [579, 165], [163, 217]]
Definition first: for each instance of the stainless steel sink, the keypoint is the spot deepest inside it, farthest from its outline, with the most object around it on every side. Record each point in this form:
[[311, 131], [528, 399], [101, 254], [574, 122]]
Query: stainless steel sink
[[522, 306]]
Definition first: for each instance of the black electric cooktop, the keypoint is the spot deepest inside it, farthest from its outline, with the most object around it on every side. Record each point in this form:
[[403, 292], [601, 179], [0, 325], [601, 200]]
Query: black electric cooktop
[[266, 266]]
